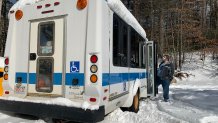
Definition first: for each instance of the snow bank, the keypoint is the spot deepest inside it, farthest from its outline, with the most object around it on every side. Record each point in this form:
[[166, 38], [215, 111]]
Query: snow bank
[[56, 101], [2, 116], [209, 119], [118, 7], [148, 113], [203, 74], [87, 105]]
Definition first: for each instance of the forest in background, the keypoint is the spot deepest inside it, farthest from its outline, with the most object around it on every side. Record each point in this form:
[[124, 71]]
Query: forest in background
[[177, 26]]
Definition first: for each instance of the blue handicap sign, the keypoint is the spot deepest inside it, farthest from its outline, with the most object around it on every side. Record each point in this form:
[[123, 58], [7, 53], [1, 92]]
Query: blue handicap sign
[[74, 67]]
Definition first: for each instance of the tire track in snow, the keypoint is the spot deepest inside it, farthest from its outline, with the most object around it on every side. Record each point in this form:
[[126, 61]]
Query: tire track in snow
[[182, 110]]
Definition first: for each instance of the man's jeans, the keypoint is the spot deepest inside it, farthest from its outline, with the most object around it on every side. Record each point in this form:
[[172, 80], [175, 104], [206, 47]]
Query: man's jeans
[[165, 85]]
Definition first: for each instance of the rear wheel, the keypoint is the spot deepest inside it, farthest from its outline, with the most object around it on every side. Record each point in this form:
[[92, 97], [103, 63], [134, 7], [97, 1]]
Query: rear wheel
[[135, 103], [124, 109]]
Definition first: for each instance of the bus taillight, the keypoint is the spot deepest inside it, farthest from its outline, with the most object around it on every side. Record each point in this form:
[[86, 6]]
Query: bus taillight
[[81, 4], [92, 99], [94, 59], [39, 7], [6, 69], [18, 14], [93, 78], [94, 68], [56, 3], [5, 76], [6, 61], [6, 92]]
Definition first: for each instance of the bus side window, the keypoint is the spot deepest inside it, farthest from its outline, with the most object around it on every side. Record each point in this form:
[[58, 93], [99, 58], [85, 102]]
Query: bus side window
[[136, 55], [119, 42], [143, 56]]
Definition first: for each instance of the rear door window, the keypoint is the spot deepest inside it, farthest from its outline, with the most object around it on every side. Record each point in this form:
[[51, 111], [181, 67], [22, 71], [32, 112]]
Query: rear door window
[[44, 75], [46, 39]]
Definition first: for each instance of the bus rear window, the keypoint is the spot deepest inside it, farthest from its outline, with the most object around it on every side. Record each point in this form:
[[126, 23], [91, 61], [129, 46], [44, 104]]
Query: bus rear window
[[44, 75], [46, 39]]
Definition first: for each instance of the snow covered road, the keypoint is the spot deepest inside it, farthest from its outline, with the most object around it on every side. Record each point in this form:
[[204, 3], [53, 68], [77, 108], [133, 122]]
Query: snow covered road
[[185, 106], [192, 106], [193, 99]]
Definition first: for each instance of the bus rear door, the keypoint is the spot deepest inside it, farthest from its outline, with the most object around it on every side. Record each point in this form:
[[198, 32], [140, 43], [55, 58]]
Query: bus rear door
[[46, 57]]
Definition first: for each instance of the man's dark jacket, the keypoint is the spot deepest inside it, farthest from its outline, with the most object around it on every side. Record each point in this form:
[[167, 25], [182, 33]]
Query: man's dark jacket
[[166, 71]]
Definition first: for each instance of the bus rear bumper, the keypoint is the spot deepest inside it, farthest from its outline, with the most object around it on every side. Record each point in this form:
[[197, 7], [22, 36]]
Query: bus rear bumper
[[53, 111]]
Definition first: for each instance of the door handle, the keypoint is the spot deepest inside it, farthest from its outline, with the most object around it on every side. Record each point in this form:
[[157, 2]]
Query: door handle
[[32, 56]]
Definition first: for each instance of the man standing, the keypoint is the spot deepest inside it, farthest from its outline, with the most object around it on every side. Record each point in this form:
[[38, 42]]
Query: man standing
[[165, 75]]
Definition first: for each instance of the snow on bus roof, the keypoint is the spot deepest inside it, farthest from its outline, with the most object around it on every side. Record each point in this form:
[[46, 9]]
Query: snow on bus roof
[[21, 3], [118, 7]]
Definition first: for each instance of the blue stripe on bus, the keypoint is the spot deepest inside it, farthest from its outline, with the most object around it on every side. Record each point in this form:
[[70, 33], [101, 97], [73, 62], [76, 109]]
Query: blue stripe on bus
[[71, 76], [57, 78], [112, 78], [32, 78], [115, 78], [23, 76]]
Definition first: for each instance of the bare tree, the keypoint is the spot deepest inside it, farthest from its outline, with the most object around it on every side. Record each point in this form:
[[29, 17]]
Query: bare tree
[[0, 8]]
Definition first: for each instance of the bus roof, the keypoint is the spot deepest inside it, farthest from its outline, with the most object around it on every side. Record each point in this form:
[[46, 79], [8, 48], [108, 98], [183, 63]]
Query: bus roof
[[116, 5], [22, 3]]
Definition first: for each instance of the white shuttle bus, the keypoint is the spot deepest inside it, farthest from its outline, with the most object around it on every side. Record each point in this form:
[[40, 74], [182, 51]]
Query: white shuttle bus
[[75, 60]]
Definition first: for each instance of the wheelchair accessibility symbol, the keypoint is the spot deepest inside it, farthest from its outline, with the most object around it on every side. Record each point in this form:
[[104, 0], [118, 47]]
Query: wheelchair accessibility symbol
[[74, 66]]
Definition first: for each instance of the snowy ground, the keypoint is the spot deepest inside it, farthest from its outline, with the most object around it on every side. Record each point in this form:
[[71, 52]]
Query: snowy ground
[[193, 100]]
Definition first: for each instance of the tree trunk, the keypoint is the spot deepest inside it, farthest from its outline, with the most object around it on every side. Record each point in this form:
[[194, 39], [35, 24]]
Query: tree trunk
[[0, 8], [1, 25], [152, 20], [204, 14], [181, 38], [216, 5], [161, 37]]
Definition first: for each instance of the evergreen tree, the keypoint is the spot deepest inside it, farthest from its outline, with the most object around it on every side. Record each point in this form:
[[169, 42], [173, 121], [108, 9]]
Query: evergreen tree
[[5, 6]]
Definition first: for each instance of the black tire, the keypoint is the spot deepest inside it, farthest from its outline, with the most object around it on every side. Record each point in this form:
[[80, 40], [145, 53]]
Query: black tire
[[135, 103], [124, 109]]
